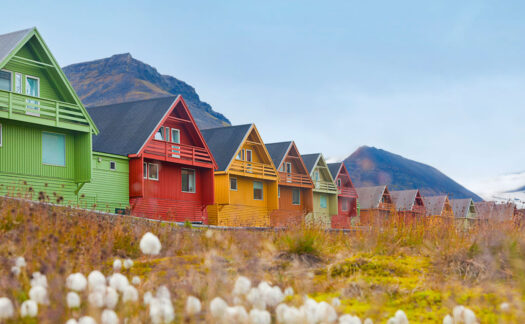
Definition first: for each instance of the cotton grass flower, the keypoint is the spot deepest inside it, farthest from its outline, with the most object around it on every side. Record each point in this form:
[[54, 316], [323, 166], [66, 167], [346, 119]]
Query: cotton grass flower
[[117, 265], [110, 298], [288, 292], [504, 307], [401, 317], [242, 286], [336, 302], [235, 314], [109, 317], [218, 307], [161, 311], [95, 279], [349, 319], [135, 280], [193, 306], [368, 321], [38, 279], [448, 320], [148, 296], [29, 308], [130, 294], [150, 244], [86, 320], [20, 262], [71, 321], [462, 314], [6, 308], [73, 300], [15, 270], [119, 282], [39, 295], [128, 263], [76, 282], [258, 316]]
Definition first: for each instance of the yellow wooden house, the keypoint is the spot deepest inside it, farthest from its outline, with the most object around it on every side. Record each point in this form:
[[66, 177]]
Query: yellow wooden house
[[246, 181]]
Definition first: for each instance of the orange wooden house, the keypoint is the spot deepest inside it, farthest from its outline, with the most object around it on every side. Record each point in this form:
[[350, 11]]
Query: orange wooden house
[[295, 185], [348, 205], [439, 209], [246, 181], [409, 205], [376, 206]]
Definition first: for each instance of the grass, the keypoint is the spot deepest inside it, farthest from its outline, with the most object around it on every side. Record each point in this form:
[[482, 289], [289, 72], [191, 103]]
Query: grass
[[423, 269]]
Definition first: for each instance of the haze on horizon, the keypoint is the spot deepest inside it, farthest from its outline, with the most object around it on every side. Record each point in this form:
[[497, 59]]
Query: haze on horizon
[[439, 83]]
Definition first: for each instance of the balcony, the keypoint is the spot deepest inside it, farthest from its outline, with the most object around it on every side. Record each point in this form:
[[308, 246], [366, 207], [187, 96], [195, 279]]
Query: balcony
[[325, 186], [42, 111], [294, 179], [419, 209], [347, 192], [253, 169], [178, 153]]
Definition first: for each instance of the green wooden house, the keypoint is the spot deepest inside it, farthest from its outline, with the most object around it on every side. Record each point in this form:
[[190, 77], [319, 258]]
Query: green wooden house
[[45, 131], [324, 192]]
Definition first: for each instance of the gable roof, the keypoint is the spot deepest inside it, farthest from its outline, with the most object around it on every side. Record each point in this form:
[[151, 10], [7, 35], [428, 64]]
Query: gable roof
[[310, 161], [10, 43], [461, 207], [278, 152], [334, 168], [370, 197], [490, 210], [125, 127], [404, 199], [224, 142], [434, 205]]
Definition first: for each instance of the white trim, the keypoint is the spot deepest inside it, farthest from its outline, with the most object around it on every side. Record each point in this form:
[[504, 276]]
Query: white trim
[[36, 109], [21, 83], [286, 168], [262, 190], [171, 135], [11, 79], [246, 155], [145, 168], [42, 147], [149, 168], [236, 184], [240, 146], [299, 190], [194, 181], [114, 164]]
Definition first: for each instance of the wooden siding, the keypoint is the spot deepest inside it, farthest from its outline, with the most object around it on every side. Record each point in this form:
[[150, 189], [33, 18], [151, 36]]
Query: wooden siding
[[289, 214], [177, 210], [323, 216], [238, 215], [346, 218]]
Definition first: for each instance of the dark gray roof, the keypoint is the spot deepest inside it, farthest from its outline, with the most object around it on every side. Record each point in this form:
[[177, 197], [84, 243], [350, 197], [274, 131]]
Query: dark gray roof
[[125, 127], [492, 211], [434, 205], [278, 152], [334, 168], [8, 42], [461, 207], [370, 197], [310, 160], [224, 142], [404, 199]]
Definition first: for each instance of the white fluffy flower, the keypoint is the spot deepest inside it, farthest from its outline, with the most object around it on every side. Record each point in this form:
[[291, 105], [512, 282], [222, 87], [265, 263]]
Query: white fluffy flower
[[117, 265], [39, 294], [325, 313], [242, 286], [448, 320], [462, 314], [163, 293], [209, 234], [128, 263], [71, 321], [20, 262], [95, 279], [161, 311], [193, 306], [218, 307], [504, 307], [86, 320], [119, 282], [288, 291], [349, 319], [258, 316], [368, 321], [38, 280], [110, 298], [29, 308], [292, 315], [150, 244], [255, 297], [96, 296], [109, 317], [135, 280], [6, 308], [148, 296], [401, 317], [235, 314], [76, 282], [130, 294], [15, 270], [336, 302], [73, 300]]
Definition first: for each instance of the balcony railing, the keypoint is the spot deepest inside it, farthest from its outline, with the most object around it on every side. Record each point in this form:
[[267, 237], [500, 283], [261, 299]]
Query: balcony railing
[[251, 169], [347, 192], [419, 209], [325, 186], [181, 153], [386, 206], [41, 111], [295, 179]]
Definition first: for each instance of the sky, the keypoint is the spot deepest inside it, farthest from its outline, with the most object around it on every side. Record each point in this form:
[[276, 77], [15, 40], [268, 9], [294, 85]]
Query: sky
[[440, 82]]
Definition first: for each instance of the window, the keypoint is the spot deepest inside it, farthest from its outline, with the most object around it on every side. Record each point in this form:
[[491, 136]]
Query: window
[[53, 149], [288, 167], [160, 134], [316, 176], [5, 80], [344, 206], [233, 184], [249, 155], [18, 83], [296, 196], [33, 89], [175, 136], [153, 171], [323, 201], [282, 168], [167, 134], [257, 190], [279, 192], [188, 180], [145, 170], [240, 155], [339, 182], [112, 165]]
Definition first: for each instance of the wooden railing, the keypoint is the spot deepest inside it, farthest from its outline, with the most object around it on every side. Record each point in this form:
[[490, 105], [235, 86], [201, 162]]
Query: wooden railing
[[49, 112], [251, 169], [295, 179], [325, 185], [419, 209], [347, 192], [178, 152], [386, 206]]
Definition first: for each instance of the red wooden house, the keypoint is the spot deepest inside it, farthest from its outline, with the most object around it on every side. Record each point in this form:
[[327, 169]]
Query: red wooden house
[[170, 165], [348, 209], [376, 207], [409, 204]]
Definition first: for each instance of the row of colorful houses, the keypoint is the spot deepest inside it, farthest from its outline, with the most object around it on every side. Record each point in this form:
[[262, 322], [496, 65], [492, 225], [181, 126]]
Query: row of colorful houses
[[150, 159]]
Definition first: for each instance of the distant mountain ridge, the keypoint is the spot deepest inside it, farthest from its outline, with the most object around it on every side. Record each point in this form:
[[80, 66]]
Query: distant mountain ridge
[[122, 78], [369, 166]]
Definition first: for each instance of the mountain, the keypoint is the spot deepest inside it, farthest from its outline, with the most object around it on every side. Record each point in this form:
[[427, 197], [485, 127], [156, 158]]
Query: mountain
[[370, 166], [121, 78]]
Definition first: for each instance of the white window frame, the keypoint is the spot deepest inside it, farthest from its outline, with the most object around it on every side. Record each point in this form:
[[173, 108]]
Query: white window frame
[[178, 133], [296, 190], [175, 147], [288, 164], [114, 164], [11, 74], [262, 191], [167, 134], [149, 168], [236, 184], [240, 155], [145, 170], [194, 180], [251, 155], [36, 109], [161, 131], [65, 147]]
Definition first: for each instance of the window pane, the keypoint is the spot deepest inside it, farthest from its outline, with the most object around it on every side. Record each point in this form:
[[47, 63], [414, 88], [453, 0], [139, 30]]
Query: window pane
[[175, 136], [145, 170], [153, 171], [167, 132], [249, 155], [323, 201], [239, 155], [188, 180], [233, 183], [296, 196], [288, 167], [160, 134], [257, 190], [345, 205], [18, 82], [5, 80], [32, 87], [54, 149]]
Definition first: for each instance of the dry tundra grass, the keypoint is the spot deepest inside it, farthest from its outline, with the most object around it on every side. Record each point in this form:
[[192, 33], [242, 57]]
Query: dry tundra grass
[[425, 270]]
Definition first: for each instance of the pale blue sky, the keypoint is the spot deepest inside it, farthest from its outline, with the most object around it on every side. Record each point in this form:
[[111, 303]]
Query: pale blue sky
[[441, 82]]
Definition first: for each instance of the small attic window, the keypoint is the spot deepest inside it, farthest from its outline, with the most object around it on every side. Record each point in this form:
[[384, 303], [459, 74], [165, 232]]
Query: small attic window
[[160, 134], [112, 165], [5, 80]]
